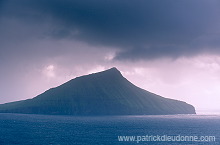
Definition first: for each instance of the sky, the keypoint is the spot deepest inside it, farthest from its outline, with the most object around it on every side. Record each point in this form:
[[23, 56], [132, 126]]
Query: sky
[[170, 48]]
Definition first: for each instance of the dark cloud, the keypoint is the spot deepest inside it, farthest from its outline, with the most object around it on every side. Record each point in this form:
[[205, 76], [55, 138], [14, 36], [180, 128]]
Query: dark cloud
[[139, 29]]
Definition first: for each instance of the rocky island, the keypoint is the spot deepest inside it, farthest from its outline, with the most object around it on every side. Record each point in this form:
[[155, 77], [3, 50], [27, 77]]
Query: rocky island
[[102, 93]]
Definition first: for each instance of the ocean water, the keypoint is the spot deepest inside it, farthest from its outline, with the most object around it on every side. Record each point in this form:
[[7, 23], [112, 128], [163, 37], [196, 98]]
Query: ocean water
[[66, 130]]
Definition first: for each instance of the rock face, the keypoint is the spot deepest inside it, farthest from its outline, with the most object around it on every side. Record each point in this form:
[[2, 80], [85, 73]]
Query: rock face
[[103, 93]]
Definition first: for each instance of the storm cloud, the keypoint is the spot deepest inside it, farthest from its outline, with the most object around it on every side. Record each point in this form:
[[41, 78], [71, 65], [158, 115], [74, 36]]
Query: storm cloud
[[138, 29]]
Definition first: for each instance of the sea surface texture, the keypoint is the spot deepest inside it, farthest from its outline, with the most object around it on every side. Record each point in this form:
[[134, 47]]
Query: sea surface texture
[[67, 130]]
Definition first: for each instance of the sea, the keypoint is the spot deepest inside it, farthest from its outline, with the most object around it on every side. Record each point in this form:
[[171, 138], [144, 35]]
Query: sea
[[29, 129]]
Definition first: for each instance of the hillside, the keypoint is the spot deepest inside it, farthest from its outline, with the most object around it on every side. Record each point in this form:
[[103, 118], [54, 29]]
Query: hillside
[[103, 93]]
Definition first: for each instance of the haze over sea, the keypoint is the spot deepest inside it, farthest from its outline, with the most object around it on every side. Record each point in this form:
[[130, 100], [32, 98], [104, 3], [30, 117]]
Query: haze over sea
[[31, 129]]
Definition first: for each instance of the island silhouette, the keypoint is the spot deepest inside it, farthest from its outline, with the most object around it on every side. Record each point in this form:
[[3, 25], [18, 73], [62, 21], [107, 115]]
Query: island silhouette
[[102, 93]]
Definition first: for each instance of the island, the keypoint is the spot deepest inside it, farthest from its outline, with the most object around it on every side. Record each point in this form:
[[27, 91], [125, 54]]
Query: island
[[98, 94]]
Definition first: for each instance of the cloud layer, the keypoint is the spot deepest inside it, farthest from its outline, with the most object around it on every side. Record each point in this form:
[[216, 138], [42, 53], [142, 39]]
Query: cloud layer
[[138, 29]]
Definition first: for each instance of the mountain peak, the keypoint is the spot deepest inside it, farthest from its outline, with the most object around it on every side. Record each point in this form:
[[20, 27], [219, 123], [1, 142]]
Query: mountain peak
[[109, 72], [112, 70]]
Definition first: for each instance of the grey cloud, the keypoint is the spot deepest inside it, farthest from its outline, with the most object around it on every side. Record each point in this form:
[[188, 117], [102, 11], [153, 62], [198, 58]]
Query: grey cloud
[[140, 29]]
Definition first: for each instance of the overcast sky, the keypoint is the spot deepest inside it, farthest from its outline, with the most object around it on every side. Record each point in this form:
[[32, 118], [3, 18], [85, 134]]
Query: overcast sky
[[169, 47]]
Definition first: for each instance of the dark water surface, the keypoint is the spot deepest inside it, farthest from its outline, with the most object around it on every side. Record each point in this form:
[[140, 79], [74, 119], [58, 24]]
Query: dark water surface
[[63, 130]]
